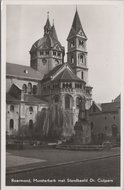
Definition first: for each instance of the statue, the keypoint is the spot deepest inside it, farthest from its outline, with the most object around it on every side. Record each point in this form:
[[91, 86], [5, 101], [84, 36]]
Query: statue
[[82, 127], [82, 110]]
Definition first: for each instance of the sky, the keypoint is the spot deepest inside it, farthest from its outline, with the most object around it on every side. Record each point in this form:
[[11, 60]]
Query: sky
[[102, 25]]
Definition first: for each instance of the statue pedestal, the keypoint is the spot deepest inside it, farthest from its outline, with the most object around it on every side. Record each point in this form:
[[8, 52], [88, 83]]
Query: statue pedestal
[[82, 132]]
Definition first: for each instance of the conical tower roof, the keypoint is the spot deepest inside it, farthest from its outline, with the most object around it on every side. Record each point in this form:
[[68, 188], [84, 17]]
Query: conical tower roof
[[76, 27], [47, 26], [53, 32]]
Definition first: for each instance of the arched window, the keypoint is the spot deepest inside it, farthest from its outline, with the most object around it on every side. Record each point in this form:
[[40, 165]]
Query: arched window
[[81, 58], [66, 85], [41, 52], [29, 88], [78, 100], [54, 53], [70, 85], [34, 89], [72, 59], [72, 44], [24, 87], [56, 99], [47, 52], [12, 108], [82, 75], [30, 124], [63, 85], [31, 109], [92, 126], [67, 102], [81, 43], [59, 54], [11, 124]]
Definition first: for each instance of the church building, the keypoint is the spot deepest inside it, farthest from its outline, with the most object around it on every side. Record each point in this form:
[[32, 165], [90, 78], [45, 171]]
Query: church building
[[49, 81]]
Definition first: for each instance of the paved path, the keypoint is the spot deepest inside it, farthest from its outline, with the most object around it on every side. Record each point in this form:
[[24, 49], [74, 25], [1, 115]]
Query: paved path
[[13, 160], [24, 160]]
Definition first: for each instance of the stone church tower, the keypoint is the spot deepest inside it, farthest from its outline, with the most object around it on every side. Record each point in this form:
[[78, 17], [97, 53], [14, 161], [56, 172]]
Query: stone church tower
[[77, 54], [47, 52]]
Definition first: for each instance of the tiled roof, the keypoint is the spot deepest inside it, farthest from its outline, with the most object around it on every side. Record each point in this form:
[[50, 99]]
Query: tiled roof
[[117, 99], [47, 41], [31, 98], [98, 106], [53, 33], [22, 71], [28, 98], [76, 27], [10, 98], [108, 107], [66, 75], [52, 72], [47, 25]]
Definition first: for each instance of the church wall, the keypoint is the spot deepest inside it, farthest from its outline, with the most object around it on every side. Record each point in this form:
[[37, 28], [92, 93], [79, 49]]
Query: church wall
[[85, 74], [42, 65], [30, 115], [46, 64], [12, 115]]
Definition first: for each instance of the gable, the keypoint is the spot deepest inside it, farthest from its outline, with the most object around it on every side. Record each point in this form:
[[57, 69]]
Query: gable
[[15, 91], [61, 70], [55, 72], [57, 47], [95, 108], [81, 33]]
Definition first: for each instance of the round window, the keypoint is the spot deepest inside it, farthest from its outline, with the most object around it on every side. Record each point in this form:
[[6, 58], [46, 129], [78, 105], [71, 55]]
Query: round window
[[44, 61]]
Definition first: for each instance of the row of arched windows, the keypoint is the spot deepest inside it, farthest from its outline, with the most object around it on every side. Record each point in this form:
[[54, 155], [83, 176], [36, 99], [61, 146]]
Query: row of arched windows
[[55, 53], [81, 43], [82, 59], [68, 101], [77, 85], [29, 88], [12, 108], [64, 85], [11, 124], [67, 85]]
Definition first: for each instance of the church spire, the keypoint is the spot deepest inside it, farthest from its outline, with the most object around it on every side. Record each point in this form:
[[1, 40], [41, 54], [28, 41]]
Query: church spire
[[47, 26], [53, 32], [76, 27]]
